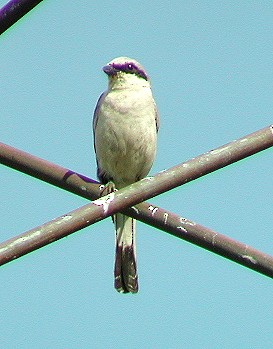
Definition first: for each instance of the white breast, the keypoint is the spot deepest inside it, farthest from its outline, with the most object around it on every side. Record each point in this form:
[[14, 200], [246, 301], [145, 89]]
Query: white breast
[[125, 135]]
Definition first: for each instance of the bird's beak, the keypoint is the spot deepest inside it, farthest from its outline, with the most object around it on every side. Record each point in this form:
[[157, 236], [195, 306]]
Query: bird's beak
[[109, 70]]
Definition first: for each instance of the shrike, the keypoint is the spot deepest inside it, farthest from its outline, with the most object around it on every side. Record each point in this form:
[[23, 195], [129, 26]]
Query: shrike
[[125, 129]]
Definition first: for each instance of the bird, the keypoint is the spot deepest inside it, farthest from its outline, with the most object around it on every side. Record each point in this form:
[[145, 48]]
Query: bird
[[125, 127]]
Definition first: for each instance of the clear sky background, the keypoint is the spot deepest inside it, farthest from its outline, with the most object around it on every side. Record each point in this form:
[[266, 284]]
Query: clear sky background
[[210, 63]]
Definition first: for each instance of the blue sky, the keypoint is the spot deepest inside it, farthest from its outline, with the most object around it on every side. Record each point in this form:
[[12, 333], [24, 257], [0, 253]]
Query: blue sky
[[210, 63]]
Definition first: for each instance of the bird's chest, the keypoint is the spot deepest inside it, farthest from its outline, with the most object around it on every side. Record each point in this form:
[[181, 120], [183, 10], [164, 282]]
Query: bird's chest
[[126, 121], [125, 137]]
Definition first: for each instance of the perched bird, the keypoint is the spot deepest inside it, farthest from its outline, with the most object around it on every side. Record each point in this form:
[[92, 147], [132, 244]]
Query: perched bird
[[125, 129]]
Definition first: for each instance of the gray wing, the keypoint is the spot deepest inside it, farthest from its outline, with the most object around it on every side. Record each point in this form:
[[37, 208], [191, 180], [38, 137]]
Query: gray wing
[[157, 119], [102, 176], [96, 112]]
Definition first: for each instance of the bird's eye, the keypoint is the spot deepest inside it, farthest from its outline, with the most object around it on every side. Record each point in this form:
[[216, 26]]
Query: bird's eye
[[130, 66]]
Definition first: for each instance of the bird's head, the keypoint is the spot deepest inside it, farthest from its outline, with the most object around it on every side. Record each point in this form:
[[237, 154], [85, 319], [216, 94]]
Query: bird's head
[[123, 72]]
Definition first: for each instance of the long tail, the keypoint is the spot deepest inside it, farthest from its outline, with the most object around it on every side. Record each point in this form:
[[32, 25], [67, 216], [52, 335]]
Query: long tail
[[125, 264]]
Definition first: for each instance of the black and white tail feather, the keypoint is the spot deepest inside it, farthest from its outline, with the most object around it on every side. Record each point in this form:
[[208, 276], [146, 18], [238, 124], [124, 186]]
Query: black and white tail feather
[[125, 271]]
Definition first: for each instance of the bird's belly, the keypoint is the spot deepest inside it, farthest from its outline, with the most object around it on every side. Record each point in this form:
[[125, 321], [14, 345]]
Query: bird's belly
[[127, 148]]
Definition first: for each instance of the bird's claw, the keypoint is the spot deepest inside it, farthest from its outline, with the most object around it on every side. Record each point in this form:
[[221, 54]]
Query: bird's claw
[[108, 188]]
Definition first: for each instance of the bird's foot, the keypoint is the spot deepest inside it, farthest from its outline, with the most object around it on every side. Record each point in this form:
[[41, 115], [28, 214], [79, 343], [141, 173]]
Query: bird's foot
[[108, 188]]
